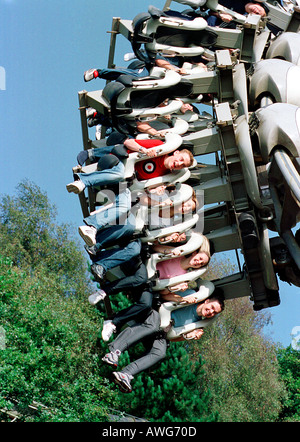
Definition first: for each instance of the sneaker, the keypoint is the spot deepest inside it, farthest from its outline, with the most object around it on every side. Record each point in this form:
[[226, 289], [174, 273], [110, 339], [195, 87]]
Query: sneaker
[[82, 157], [90, 112], [98, 271], [94, 120], [90, 74], [123, 380], [108, 329], [97, 297], [98, 132], [112, 358], [76, 187], [92, 250], [88, 234], [129, 56]]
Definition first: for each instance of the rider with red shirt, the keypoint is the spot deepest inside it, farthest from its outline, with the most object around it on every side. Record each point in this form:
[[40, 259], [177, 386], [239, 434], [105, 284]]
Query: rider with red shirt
[[154, 166]]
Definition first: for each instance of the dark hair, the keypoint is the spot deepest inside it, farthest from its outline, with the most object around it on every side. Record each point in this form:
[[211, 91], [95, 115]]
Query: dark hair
[[218, 295]]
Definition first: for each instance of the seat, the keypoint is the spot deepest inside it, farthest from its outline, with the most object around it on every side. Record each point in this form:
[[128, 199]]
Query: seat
[[285, 46], [180, 176], [193, 244], [146, 215], [158, 31], [274, 79], [214, 5], [205, 290], [172, 142], [130, 98], [157, 234], [176, 125]]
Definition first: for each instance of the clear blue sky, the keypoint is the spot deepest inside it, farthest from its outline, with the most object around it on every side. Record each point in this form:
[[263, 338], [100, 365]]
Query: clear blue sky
[[45, 46]]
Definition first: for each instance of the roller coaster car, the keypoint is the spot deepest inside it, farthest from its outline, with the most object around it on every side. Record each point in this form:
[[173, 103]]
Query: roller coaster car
[[274, 135], [277, 134], [205, 289], [193, 244], [149, 216], [274, 80], [281, 20], [129, 98], [172, 142], [159, 31], [285, 46]]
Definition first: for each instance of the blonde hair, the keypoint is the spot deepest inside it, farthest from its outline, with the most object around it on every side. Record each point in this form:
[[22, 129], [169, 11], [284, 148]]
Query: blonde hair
[[194, 199], [205, 247]]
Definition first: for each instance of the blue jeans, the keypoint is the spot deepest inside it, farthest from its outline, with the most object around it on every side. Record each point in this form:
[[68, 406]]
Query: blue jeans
[[98, 152], [113, 74], [114, 257], [109, 216], [129, 255], [110, 235], [103, 177]]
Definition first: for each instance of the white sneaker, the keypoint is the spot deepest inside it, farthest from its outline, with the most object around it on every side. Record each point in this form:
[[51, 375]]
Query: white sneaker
[[123, 380], [97, 297], [76, 187], [89, 112], [129, 56], [89, 75], [112, 358], [108, 329], [98, 132], [88, 234]]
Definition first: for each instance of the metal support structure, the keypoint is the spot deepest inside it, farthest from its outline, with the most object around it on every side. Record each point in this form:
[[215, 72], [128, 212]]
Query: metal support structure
[[233, 187]]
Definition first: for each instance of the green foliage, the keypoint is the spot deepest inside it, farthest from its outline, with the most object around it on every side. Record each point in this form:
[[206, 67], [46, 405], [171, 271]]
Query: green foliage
[[50, 354], [171, 391], [51, 349], [29, 234], [241, 366], [289, 362]]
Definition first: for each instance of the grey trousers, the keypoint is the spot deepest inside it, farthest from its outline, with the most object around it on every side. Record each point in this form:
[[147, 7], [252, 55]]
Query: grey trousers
[[132, 335]]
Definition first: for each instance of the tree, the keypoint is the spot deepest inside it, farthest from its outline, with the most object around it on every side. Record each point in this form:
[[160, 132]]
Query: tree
[[289, 363], [241, 368], [30, 235], [171, 391], [50, 354]]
